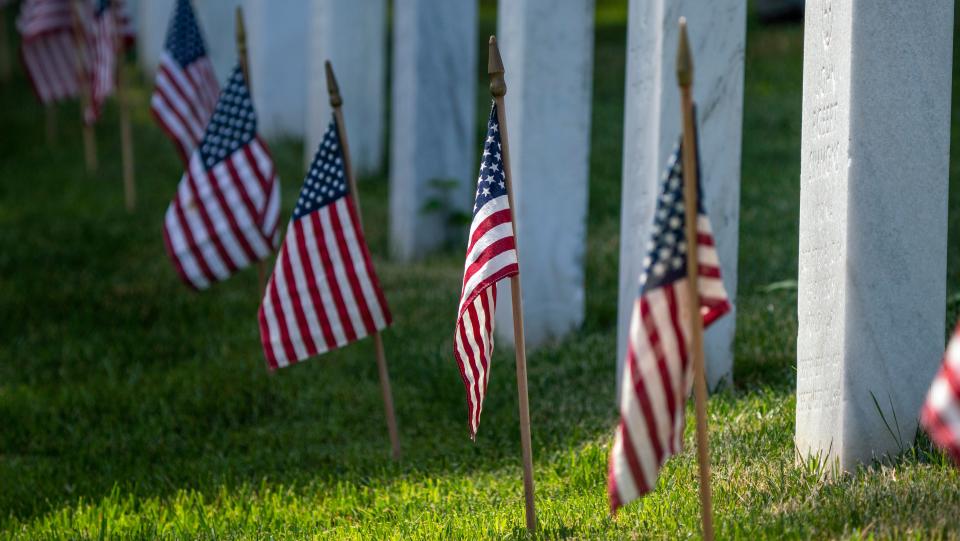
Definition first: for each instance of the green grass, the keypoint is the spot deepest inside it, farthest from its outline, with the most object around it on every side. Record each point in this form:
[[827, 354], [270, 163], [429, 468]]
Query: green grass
[[132, 407]]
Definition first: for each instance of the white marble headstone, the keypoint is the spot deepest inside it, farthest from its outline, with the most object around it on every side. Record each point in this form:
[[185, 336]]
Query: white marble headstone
[[547, 50], [152, 20], [277, 48], [434, 120], [352, 35], [717, 30], [873, 223]]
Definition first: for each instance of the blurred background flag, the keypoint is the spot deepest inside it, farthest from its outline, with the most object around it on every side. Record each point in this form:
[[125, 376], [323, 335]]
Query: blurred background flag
[[225, 212], [104, 40], [940, 415], [491, 257], [48, 48], [324, 292], [658, 374], [186, 86]]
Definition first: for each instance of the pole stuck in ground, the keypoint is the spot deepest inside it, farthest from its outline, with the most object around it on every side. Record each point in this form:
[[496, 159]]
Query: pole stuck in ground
[[83, 81], [126, 133], [498, 88], [336, 103], [245, 67], [690, 197]]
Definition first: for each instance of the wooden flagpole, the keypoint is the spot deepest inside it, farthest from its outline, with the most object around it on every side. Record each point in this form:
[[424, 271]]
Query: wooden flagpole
[[336, 103], [245, 67], [126, 134], [6, 68], [685, 81], [498, 88], [83, 80]]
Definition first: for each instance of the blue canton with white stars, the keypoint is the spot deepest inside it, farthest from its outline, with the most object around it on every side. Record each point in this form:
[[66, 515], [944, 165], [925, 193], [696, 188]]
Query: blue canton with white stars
[[184, 41], [666, 260], [326, 180], [233, 124], [492, 182]]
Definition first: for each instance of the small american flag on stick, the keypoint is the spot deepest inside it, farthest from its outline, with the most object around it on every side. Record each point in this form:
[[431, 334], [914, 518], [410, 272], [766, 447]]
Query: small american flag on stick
[[186, 87], [324, 292], [104, 56], [491, 257], [225, 212], [658, 374], [940, 415], [48, 48]]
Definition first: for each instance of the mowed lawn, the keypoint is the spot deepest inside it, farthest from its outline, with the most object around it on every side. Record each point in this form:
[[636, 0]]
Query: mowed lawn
[[131, 407]]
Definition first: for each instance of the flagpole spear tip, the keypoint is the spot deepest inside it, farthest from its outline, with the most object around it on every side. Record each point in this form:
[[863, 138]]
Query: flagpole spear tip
[[684, 58], [332, 87], [498, 87]]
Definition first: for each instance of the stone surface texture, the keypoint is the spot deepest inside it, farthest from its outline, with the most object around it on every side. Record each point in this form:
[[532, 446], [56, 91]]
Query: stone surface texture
[[434, 121], [153, 17], [873, 223], [277, 47], [547, 50], [717, 30], [351, 34]]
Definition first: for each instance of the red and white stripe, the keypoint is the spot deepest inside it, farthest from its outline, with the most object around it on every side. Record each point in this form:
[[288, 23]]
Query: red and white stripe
[[223, 219], [103, 43], [183, 100], [940, 415], [658, 375], [49, 49], [324, 292], [491, 257]]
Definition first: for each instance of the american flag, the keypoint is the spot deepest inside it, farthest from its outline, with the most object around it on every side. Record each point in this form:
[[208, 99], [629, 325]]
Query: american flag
[[49, 48], [186, 85], [658, 374], [225, 212], [491, 256], [323, 292], [103, 55], [940, 415]]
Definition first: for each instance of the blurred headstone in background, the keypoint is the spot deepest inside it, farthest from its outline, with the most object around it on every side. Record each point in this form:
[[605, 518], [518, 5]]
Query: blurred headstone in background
[[547, 49], [217, 18], [773, 11], [277, 47], [433, 162], [352, 34], [874, 172], [717, 31], [152, 20]]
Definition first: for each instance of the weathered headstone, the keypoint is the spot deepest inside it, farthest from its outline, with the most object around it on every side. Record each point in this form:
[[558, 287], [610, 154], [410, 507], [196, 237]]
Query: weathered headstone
[[277, 47], [433, 161], [217, 21], [153, 17], [547, 49], [873, 223], [352, 35], [652, 128]]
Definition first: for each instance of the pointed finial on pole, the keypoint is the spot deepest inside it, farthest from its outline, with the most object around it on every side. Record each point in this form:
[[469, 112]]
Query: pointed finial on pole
[[684, 60], [498, 87], [332, 87], [242, 45]]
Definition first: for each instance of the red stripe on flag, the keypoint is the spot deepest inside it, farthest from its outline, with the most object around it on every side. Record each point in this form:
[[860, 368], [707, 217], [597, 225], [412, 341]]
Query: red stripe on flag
[[324, 250]]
